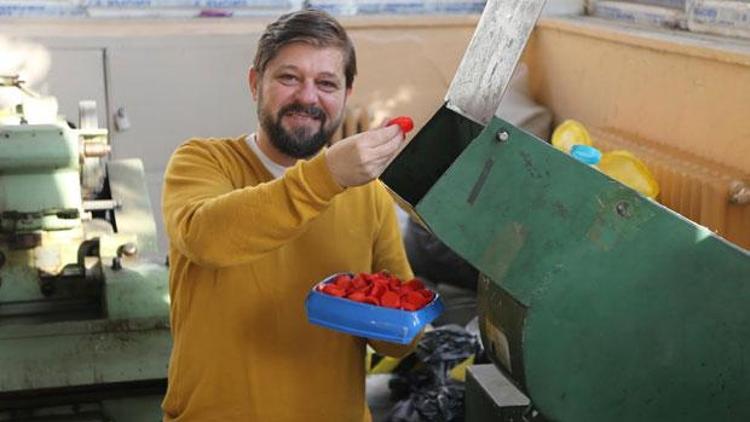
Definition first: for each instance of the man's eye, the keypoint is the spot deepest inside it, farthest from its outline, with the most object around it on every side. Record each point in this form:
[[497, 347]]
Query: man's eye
[[287, 78], [328, 85]]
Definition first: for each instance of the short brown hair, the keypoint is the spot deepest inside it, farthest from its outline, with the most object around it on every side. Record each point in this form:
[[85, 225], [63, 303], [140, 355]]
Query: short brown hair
[[309, 26]]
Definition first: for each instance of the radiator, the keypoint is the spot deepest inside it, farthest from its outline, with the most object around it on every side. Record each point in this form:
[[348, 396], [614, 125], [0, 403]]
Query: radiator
[[705, 192]]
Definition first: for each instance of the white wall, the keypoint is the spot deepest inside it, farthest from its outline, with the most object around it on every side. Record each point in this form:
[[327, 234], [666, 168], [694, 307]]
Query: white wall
[[564, 7]]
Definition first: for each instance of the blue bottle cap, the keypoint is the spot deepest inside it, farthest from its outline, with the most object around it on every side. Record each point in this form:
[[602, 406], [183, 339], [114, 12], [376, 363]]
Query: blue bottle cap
[[586, 154]]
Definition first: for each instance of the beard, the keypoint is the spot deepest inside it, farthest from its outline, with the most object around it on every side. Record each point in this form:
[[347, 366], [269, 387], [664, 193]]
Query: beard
[[303, 141]]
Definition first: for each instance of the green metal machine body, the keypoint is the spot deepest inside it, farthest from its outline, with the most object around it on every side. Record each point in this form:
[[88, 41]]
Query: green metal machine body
[[84, 305], [600, 304]]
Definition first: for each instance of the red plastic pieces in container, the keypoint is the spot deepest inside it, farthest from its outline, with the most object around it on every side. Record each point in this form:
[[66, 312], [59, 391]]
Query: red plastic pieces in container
[[380, 289]]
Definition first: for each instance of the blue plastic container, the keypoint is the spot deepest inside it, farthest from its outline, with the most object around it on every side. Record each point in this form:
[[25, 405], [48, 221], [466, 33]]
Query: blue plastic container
[[365, 320]]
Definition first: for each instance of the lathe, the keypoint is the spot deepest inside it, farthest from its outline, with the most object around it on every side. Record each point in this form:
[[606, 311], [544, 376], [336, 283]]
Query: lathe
[[84, 306]]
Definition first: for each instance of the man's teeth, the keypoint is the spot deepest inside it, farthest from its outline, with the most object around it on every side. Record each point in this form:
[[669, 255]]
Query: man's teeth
[[301, 114]]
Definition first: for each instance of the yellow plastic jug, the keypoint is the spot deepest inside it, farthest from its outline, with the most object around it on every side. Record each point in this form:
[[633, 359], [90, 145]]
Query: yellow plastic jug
[[627, 169], [569, 133]]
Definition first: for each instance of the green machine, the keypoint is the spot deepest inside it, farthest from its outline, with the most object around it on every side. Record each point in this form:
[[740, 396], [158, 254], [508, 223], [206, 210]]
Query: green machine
[[596, 303], [84, 305]]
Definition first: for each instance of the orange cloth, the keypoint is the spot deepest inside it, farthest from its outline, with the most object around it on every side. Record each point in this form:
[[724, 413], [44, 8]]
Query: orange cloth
[[244, 252]]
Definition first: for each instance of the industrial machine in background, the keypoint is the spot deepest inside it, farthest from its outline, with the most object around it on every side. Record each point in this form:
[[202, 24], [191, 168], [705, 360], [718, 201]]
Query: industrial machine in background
[[84, 304], [595, 302]]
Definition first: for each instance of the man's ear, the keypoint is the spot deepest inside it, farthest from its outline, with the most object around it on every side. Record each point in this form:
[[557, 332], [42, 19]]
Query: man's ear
[[252, 79]]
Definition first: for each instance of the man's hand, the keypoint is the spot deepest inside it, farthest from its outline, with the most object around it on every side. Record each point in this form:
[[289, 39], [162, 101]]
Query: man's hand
[[363, 157]]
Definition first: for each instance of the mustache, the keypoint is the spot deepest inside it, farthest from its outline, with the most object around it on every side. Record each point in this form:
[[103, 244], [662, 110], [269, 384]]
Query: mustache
[[310, 110]]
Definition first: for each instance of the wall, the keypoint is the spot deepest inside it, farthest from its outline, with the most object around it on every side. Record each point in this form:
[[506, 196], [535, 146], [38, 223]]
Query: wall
[[683, 91], [564, 7]]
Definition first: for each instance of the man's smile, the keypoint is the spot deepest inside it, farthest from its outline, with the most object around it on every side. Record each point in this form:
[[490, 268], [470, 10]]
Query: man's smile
[[300, 116]]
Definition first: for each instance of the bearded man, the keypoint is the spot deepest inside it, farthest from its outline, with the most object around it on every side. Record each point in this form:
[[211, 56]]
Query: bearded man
[[254, 222]]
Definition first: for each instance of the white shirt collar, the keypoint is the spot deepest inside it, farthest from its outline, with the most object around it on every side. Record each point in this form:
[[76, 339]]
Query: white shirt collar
[[276, 170]]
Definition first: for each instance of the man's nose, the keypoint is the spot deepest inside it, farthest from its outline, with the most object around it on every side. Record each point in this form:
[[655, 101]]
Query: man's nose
[[307, 93]]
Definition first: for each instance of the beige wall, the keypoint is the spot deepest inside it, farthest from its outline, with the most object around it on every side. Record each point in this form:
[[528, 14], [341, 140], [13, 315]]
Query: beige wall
[[688, 93], [407, 65]]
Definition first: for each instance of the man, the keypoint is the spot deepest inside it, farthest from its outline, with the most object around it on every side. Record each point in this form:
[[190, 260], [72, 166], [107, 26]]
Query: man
[[254, 222]]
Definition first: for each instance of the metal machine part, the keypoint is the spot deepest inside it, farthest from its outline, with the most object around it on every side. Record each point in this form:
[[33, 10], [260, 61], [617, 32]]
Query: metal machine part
[[490, 396], [597, 302], [83, 301], [491, 57]]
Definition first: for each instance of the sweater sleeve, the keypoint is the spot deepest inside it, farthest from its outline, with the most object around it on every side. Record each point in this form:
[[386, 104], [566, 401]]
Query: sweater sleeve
[[388, 250], [389, 254], [213, 223]]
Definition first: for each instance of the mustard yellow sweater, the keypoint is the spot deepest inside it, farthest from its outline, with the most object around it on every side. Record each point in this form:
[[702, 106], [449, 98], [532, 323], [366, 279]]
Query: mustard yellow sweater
[[244, 252]]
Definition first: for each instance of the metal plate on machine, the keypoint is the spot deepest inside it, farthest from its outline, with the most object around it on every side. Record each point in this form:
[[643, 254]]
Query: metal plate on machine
[[491, 58], [490, 396]]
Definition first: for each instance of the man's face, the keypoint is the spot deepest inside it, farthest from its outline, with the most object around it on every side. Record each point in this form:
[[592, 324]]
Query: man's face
[[301, 97]]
